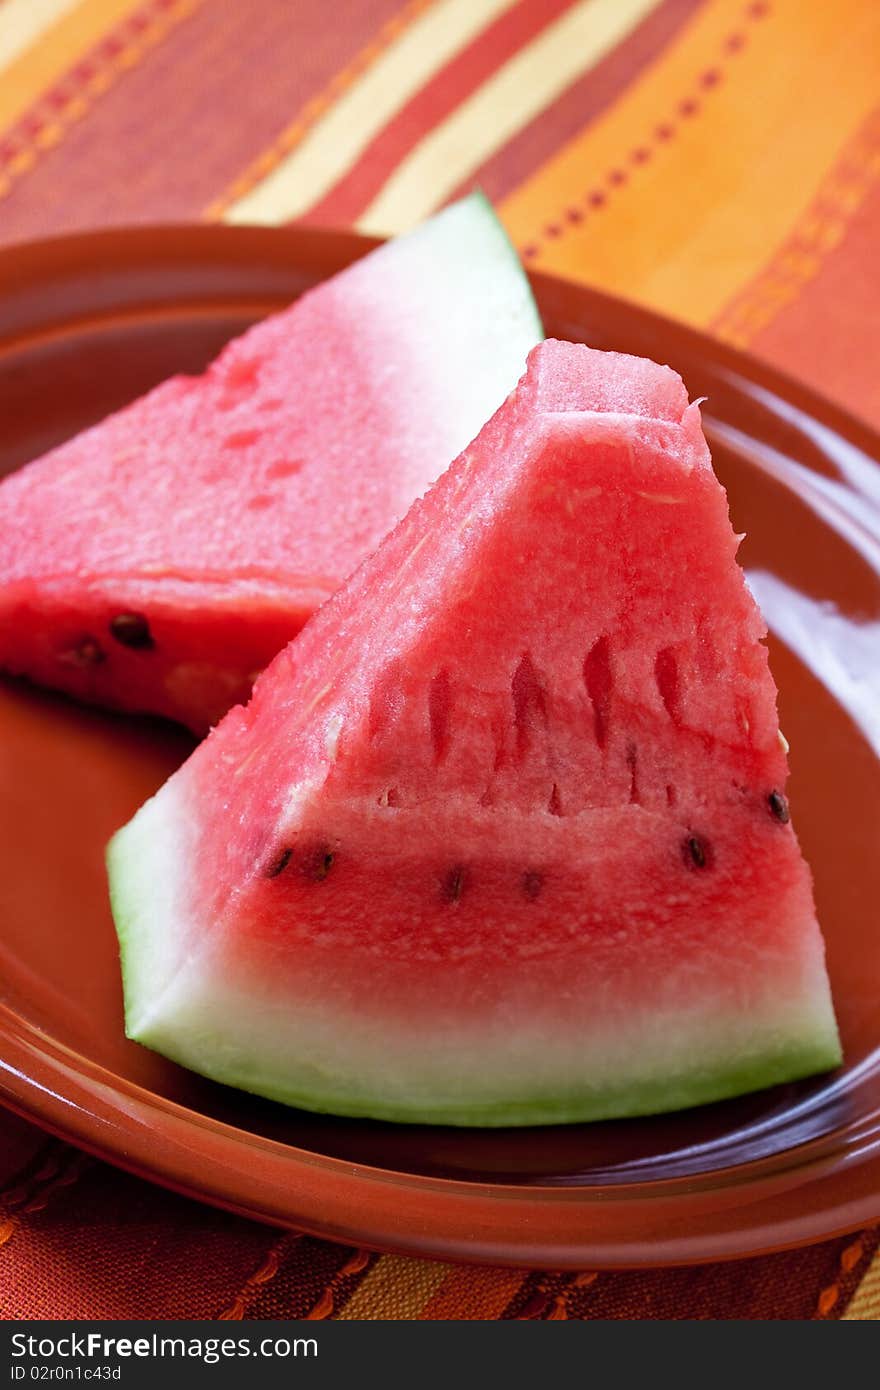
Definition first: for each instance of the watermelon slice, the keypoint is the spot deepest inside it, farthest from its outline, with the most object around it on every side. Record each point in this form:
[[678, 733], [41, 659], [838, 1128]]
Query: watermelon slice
[[159, 560], [502, 838]]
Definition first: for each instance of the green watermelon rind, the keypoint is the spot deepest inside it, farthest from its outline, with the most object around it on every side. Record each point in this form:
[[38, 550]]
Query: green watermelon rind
[[507, 254], [127, 869], [475, 213], [146, 850], [630, 1102]]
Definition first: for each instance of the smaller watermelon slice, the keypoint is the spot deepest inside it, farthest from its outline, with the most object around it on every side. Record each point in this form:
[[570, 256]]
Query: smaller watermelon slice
[[502, 838], [159, 560]]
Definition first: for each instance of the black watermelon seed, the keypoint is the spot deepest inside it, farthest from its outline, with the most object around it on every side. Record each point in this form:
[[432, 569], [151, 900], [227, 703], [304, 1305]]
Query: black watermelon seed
[[317, 863], [279, 864], [453, 885], [697, 852], [779, 807], [87, 652], [132, 630], [532, 883]]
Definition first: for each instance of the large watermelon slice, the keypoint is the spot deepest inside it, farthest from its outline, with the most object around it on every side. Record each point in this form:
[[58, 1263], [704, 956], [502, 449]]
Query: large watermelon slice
[[159, 560], [502, 838]]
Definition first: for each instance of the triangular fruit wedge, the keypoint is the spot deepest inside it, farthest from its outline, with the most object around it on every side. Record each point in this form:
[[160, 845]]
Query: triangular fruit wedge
[[159, 560], [502, 838]]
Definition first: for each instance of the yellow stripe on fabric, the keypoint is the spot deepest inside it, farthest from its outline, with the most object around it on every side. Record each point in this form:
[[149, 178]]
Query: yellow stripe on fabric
[[815, 235], [864, 1306], [396, 1288], [23, 21], [690, 217], [59, 49], [332, 145], [517, 93], [259, 170], [474, 1294]]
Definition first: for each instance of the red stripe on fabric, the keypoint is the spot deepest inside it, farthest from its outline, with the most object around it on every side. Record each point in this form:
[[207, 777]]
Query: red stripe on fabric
[[79, 78], [827, 334], [159, 144], [581, 103], [461, 76]]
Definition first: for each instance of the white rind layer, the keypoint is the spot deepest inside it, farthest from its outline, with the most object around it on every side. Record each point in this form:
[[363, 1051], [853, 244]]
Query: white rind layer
[[302, 1053], [452, 357], [146, 861]]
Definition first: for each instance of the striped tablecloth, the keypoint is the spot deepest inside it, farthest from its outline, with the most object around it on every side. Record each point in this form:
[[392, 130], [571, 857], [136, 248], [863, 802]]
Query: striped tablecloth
[[715, 159]]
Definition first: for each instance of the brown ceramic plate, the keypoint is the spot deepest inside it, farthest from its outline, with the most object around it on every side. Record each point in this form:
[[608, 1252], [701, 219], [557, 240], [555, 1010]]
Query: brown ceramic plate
[[91, 321]]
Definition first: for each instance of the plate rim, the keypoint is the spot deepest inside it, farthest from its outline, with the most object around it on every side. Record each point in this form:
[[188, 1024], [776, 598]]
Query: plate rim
[[445, 1229], [450, 1222]]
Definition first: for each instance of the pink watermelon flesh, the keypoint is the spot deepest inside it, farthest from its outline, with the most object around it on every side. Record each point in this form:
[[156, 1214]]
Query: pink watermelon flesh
[[502, 837], [159, 560]]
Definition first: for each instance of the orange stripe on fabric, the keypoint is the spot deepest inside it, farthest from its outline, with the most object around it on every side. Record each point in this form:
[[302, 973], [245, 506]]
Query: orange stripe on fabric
[[57, 51], [119, 52], [263, 1275], [561, 1307], [396, 1287], [510, 32], [819, 231], [838, 1298], [341, 1287], [827, 335], [544, 1297], [604, 162], [474, 1294], [700, 168], [294, 134], [864, 1306], [593, 93]]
